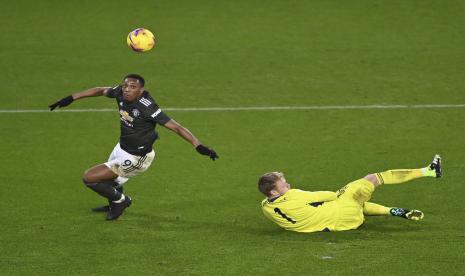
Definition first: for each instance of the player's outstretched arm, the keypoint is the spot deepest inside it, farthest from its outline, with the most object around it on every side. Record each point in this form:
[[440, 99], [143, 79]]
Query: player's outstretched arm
[[188, 136], [92, 92]]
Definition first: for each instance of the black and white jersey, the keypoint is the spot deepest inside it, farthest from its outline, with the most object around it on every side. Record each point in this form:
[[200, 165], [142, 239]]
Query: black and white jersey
[[138, 121]]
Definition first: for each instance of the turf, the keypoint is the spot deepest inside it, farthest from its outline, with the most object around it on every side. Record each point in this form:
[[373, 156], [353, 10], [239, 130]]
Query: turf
[[191, 216]]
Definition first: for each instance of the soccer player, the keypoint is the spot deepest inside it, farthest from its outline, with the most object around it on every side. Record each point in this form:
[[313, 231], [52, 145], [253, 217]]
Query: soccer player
[[302, 211], [139, 115]]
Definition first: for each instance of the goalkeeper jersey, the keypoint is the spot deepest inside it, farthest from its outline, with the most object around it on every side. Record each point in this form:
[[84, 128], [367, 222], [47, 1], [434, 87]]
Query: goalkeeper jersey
[[303, 211]]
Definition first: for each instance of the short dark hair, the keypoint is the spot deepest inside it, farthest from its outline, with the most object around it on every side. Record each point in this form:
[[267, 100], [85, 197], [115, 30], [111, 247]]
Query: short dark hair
[[267, 182], [139, 78]]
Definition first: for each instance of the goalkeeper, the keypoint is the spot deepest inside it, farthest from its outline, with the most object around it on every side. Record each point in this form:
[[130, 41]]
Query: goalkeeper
[[303, 211]]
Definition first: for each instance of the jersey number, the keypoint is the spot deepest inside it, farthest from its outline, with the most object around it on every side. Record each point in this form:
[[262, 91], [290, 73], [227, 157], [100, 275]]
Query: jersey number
[[278, 211]]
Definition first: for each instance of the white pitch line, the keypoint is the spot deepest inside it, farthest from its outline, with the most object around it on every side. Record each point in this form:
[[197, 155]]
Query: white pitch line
[[254, 108]]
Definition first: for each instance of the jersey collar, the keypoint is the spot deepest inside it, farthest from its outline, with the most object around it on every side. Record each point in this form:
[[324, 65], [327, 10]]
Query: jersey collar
[[273, 198]]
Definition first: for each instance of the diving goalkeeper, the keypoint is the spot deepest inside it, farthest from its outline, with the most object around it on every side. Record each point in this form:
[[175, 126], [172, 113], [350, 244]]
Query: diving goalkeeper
[[302, 211]]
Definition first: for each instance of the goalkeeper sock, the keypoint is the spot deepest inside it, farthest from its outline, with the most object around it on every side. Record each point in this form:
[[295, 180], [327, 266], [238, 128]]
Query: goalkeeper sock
[[403, 175], [428, 171], [373, 209]]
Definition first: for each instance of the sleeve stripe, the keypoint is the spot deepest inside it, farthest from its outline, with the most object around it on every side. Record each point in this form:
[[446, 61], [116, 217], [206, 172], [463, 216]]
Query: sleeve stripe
[[155, 114], [145, 102]]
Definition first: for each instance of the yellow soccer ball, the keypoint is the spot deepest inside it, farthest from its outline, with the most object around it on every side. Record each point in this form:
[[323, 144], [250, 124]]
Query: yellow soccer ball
[[141, 40]]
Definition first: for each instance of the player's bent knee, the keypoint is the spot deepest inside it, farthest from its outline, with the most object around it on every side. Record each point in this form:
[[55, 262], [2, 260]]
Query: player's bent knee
[[89, 177], [87, 180], [98, 173], [373, 179]]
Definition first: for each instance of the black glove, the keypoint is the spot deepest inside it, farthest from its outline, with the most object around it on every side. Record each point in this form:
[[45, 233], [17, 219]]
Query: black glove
[[62, 103], [207, 151]]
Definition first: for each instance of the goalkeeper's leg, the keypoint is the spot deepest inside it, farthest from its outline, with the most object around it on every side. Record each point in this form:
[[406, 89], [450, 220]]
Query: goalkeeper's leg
[[373, 209], [405, 175], [362, 192]]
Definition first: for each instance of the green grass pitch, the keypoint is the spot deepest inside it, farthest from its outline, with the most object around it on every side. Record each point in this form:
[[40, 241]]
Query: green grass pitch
[[191, 216]]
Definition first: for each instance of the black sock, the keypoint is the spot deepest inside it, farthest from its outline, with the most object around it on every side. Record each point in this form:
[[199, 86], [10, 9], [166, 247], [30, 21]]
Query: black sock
[[117, 187], [105, 189]]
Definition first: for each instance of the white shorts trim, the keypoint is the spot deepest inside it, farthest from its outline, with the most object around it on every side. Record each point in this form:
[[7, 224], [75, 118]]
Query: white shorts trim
[[127, 165]]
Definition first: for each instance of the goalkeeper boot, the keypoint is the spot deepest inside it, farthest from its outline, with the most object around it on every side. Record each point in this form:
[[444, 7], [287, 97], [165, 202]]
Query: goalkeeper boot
[[116, 209], [407, 214], [436, 165]]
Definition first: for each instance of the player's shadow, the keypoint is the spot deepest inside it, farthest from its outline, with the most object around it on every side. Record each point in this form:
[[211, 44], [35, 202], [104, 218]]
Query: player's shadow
[[372, 227]]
